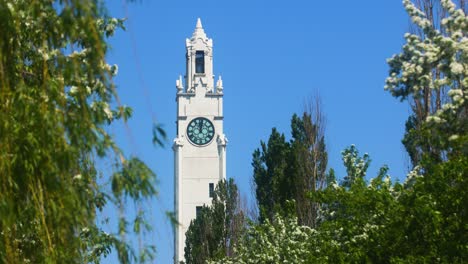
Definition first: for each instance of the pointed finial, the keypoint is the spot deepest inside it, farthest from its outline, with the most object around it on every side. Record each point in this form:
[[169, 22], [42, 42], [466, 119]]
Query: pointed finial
[[179, 84], [199, 25], [219, 85], [199, 32]]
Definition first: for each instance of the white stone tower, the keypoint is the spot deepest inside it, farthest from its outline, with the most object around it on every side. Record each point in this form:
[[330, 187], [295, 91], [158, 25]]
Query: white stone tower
[[200, 144]]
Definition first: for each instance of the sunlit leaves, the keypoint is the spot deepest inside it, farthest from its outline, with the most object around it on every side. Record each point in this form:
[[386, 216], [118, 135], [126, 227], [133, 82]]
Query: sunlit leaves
[[56, 100], [134, 180]]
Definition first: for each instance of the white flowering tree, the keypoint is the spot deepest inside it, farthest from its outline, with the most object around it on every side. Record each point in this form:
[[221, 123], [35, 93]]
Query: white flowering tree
[[357, 215], [435, 200], [433, 64], [356, 166], [56, 99], [283, 241]]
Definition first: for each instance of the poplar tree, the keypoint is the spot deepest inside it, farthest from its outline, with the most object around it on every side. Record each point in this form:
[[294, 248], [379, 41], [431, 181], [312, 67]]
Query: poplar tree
[[309, 160], [286, 173], [273, 187]]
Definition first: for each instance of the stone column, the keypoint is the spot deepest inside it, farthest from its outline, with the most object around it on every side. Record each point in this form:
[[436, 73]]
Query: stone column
[[222, 142], [178, 234]]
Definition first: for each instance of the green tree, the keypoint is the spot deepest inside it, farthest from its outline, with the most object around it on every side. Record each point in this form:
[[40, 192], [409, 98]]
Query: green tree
[[217, 228], [289, 171], [273, 186], [308, 163], [56, 99], [357, 216]]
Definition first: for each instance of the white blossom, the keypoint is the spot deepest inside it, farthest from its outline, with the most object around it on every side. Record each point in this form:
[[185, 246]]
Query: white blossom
[[107, 111], [387, 180], [73, 90], [413, 175], [456, 68], [335, 185], [434, 119]]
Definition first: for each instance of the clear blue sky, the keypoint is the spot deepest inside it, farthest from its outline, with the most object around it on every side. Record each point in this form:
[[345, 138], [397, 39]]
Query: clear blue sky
[[272, 55]]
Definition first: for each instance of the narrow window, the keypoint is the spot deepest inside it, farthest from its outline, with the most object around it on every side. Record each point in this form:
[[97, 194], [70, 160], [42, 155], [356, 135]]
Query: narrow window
[[211, 190], [199, 208], [200, 61]]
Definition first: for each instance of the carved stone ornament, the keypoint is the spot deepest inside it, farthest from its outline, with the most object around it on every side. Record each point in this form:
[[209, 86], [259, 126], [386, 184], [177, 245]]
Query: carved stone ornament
[[222, 140], [178, 142], [219, 85], [179, 85]]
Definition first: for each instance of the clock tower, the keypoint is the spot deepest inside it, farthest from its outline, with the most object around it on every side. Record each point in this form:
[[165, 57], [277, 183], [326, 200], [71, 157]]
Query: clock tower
[[200, 143]]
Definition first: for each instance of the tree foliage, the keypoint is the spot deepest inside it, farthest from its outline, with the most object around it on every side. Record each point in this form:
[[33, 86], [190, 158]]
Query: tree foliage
[[375, 221], [309, 160], [286, 171], [432, 64], [56, 99], [282, 241], [217, 228], [270, 164], [437, 199], [354, 223]]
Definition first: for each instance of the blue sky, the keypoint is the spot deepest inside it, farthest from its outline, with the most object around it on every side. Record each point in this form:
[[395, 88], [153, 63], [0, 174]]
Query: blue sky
[[272, 55]]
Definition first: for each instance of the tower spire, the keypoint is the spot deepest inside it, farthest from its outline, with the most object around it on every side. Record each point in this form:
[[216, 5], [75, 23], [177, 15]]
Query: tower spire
[[199, 31], [199, 25]]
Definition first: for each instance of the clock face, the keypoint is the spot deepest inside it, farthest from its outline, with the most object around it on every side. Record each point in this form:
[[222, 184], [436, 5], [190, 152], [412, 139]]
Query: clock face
[[200, 131]]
